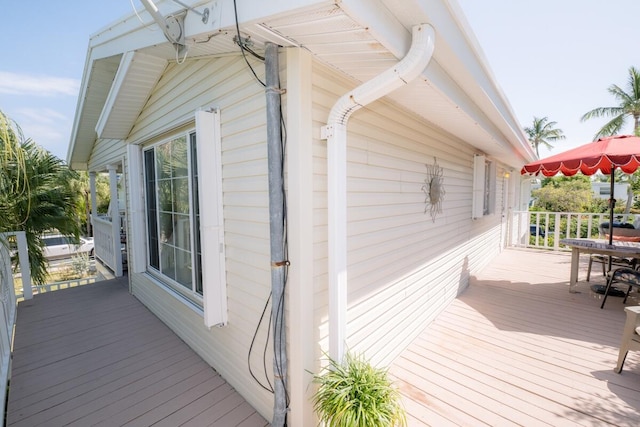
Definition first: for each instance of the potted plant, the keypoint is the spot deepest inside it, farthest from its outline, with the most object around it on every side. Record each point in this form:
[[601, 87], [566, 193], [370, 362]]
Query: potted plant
[[356, 394]]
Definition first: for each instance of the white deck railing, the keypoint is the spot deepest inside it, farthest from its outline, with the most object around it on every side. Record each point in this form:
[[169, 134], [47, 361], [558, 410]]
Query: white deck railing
[[8, 301], [66, 284], [107, 243], [545, 229]]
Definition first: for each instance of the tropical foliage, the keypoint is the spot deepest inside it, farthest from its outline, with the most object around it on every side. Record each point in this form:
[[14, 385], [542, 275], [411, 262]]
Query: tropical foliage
[[356, 394], [564, 194], [543, 132], [628, 105], [37, 193]]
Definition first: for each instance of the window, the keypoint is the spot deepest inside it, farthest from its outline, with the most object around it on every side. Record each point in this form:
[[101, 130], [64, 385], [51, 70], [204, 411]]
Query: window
[[184, 223], [172, 210], [484, 187]]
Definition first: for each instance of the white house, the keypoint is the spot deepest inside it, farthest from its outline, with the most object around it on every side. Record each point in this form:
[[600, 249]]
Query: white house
[[602, 190], [400, 166]]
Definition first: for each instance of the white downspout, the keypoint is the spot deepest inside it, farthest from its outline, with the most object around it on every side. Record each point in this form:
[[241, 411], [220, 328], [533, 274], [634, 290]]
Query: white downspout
[[335, 132]]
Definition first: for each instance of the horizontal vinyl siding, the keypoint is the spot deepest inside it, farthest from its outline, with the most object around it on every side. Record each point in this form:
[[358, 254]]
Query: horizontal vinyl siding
[[403, 268], [228, 84], [105, 152]]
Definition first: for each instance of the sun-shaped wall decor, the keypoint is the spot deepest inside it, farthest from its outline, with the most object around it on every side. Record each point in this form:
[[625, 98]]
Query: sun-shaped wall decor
[[433, 189]]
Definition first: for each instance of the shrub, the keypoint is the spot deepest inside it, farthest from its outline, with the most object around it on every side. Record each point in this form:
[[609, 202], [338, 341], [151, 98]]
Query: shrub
[[355, 394]]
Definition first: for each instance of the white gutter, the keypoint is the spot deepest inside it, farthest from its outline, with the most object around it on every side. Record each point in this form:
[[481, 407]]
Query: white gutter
[[335, 132]]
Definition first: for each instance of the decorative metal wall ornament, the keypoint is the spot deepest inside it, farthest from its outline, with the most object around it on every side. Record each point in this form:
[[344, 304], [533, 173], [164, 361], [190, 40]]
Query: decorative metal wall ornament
[[433, 189]]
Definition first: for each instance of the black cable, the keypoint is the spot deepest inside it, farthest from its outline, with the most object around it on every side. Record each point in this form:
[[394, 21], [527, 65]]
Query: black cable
[[279, 326], [253, 340], [244, 48], [266, 349], [281, 302]]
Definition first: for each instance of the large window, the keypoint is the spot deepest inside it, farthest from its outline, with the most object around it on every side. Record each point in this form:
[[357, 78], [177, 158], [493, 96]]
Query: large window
[[172, 211]]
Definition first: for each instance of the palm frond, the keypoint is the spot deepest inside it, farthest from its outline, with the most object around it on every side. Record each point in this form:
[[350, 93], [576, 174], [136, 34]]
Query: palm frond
[[612, 127]]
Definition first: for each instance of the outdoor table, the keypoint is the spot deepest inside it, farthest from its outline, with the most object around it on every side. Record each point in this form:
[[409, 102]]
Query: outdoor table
[[586, 246]]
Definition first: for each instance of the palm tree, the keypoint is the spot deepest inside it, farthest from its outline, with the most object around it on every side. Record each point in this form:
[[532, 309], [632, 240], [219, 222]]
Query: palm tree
[[13, 179], [36, 193], [542, 132], [628, 106]]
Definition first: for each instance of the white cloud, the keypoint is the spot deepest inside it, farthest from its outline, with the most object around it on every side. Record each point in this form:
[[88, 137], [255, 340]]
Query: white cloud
[[42, 115], [49, 128], [23, 84]]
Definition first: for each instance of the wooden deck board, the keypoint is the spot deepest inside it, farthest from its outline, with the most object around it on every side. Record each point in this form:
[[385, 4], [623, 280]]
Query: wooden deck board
[[517, 348], [94, 355]]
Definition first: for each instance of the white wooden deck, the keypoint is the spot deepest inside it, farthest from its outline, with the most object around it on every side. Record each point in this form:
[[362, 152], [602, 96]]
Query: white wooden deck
[[94, 355], [517, 348]]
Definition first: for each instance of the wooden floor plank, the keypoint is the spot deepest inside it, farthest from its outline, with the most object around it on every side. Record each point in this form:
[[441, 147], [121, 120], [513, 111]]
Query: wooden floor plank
[[94, 355], [516, 348]]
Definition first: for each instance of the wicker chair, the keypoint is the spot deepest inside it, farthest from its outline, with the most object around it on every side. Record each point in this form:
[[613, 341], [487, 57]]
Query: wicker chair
[[620, 233], [630, 335], [627, 276]]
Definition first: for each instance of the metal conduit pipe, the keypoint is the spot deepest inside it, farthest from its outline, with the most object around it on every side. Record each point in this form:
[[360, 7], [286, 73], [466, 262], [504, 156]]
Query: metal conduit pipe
[[335, 132], [277, 232]]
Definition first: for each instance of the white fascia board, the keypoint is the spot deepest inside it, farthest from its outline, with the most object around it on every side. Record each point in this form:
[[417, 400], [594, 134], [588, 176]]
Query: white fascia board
[[494, 90], [79, 107], [129, 33], [123, 69], [458, 51]]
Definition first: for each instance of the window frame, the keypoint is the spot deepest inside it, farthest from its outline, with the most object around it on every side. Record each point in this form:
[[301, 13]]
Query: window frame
[[212, 304], [191, 292]]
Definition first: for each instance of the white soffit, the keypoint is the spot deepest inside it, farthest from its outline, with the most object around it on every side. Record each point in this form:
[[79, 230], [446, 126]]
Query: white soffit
[[89, 109], [137, 75]]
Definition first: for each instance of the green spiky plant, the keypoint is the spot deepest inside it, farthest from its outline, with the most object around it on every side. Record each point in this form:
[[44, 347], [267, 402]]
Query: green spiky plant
[[356, 394]]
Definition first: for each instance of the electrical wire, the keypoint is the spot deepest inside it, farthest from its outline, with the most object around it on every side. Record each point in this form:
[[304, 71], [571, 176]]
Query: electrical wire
[[280, 307], [186, 52], [279, 321], [148, 27], [244, 48], [268, 388]]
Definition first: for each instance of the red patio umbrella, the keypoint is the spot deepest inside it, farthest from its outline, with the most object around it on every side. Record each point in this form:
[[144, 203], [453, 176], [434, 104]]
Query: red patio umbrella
[[604, 155]]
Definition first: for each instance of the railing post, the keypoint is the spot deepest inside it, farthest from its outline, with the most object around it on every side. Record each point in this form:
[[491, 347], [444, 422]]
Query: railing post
[[94, 199], [556, 231], [115, 220], [25, 268]]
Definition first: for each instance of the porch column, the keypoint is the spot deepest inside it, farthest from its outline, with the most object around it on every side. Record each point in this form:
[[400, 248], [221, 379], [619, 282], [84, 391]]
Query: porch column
[[94, 198], [115, 220]]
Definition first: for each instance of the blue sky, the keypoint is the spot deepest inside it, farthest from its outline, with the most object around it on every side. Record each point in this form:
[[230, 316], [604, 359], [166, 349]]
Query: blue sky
[[551, 58]]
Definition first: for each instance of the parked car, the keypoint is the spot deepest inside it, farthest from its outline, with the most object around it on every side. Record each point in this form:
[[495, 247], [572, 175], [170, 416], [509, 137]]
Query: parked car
[[59, 246], [533, 230]]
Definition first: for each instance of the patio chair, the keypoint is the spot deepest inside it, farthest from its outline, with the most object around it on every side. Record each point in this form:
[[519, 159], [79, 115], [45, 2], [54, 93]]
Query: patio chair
[[604, 260], [630, 335], [627, 276]]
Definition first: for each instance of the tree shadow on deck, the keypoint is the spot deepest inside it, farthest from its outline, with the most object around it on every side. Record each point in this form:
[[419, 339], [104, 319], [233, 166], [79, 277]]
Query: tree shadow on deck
[[526, 297]]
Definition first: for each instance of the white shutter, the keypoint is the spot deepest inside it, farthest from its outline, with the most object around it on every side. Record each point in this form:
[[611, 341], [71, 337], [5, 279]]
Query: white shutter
[[491, 183], [478, 186], [214, 286]]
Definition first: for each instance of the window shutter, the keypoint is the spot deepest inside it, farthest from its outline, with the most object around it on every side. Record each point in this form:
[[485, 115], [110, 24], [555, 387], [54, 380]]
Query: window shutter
[[478, 186], [214, 288], [492, 188]]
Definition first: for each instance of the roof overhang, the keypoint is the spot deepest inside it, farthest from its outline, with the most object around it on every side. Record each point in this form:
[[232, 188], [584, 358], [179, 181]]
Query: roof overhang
[[361, 38], [132, 85]]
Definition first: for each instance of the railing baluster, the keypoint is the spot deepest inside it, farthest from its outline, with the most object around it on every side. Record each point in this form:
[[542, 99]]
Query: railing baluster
[[526, 220]]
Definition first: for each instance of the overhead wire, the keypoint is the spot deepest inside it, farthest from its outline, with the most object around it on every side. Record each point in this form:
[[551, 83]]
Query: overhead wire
[[244, 47], [148, 27]]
